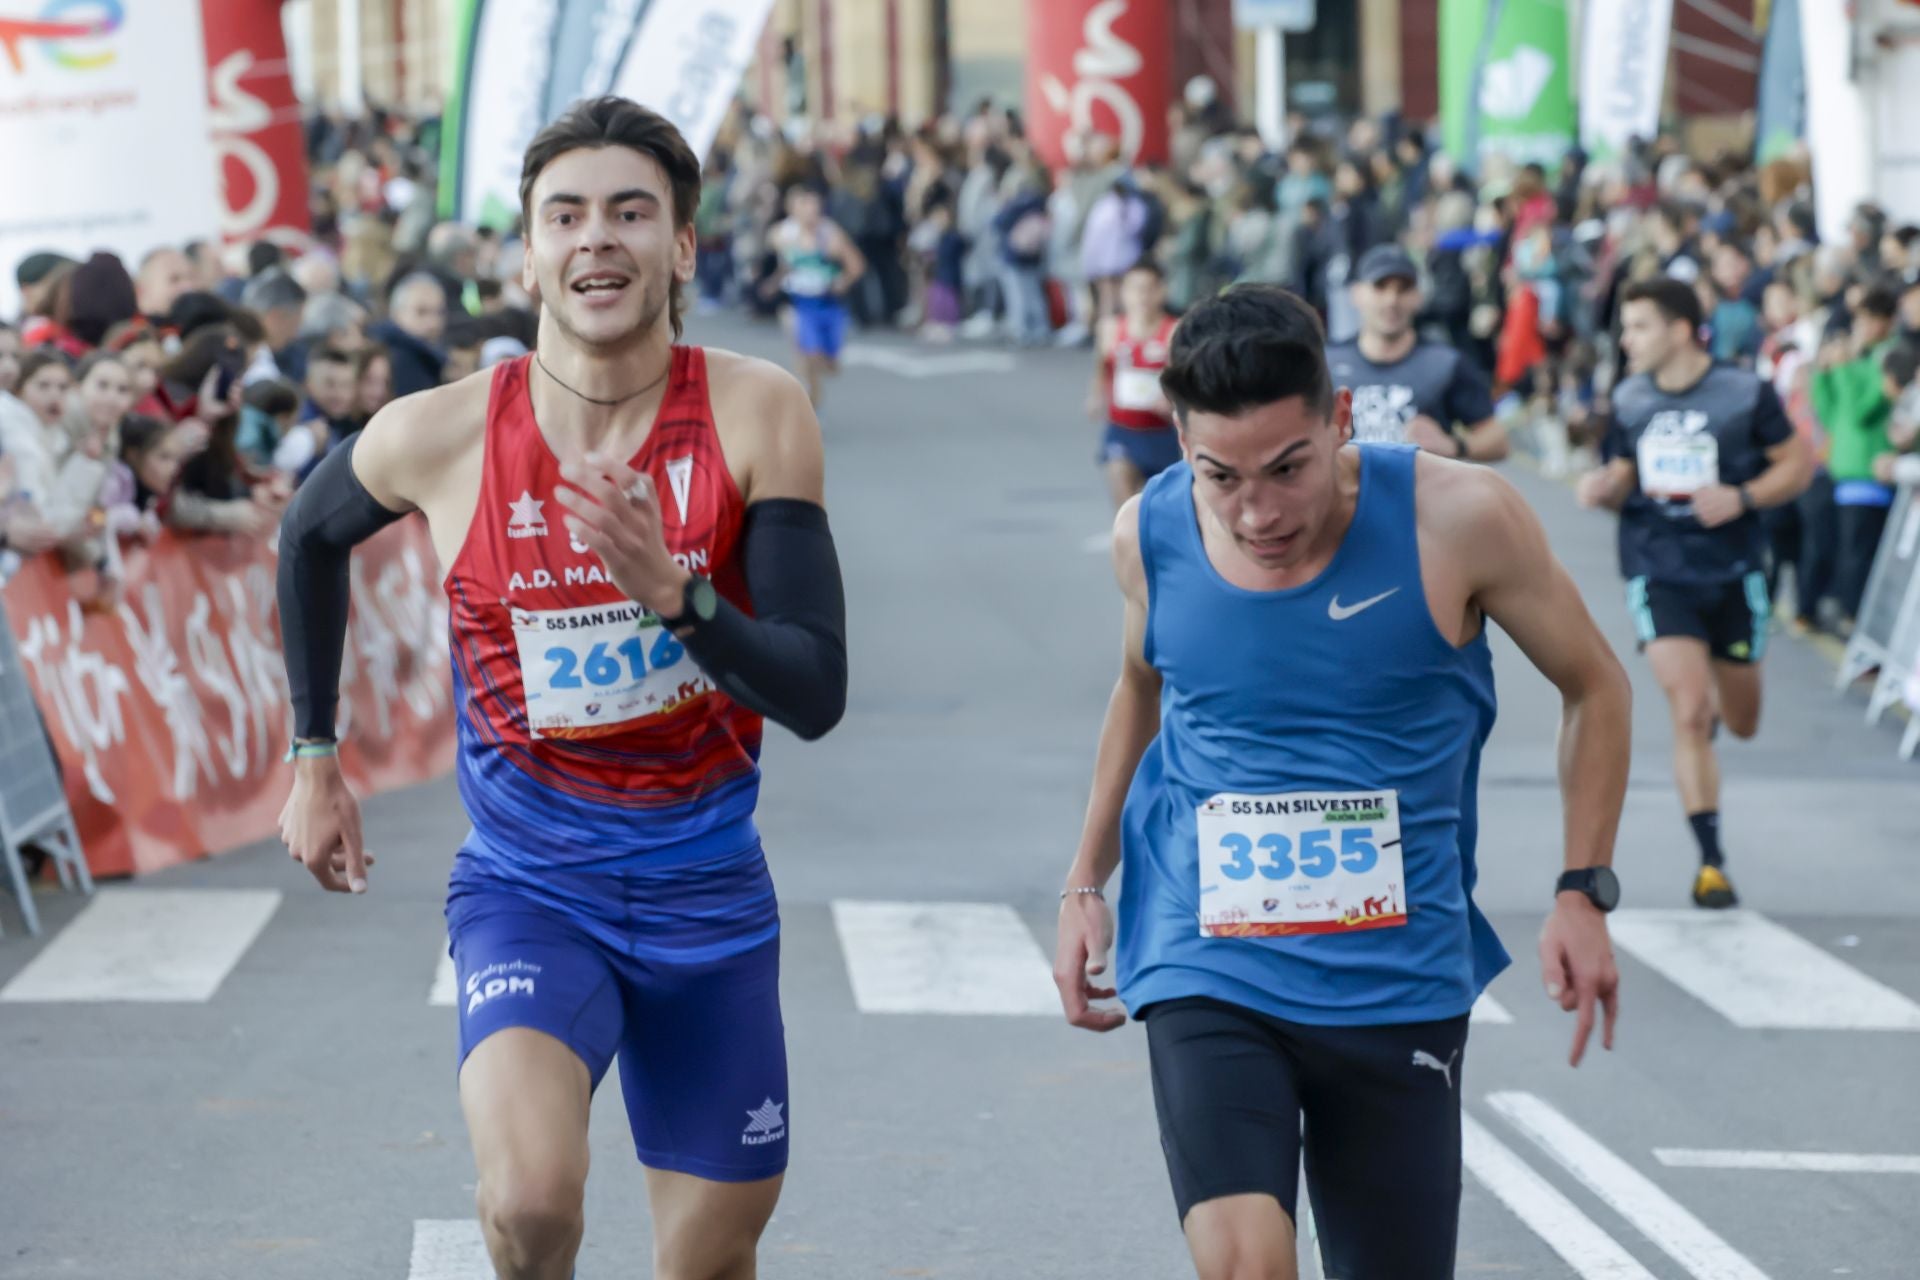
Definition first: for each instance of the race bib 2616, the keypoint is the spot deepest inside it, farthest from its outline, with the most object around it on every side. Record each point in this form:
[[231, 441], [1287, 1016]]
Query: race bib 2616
[[597, 669]]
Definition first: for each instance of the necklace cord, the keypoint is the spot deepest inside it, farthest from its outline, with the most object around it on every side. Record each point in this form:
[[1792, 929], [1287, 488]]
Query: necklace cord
[[594, 400]]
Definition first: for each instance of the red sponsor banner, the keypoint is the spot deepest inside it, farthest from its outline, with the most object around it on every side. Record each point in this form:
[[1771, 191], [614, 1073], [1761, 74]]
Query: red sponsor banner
[[1100, 66], [257, 135], [171, 711]]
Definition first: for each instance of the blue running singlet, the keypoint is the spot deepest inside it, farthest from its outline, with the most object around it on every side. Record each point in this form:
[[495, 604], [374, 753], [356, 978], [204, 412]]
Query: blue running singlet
[[1341, 685]]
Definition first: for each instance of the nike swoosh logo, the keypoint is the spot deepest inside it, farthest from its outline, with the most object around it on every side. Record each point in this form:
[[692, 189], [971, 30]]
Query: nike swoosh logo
[[1340, 613]]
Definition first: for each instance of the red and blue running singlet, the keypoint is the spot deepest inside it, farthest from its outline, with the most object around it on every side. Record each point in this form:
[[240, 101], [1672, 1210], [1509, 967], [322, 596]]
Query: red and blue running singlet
[[588, 738], [1133, 377]]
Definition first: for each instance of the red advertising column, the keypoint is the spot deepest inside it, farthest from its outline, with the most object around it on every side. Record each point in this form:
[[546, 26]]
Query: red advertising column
[[1099, 66], [256, 119]]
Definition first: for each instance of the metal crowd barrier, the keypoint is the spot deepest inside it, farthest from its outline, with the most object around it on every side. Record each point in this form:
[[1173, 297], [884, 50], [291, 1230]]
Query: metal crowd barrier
[[33, 804], [1886, 635]]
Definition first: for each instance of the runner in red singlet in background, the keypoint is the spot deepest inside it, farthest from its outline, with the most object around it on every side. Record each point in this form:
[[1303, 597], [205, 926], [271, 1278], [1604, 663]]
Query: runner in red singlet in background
[[1130, 349]]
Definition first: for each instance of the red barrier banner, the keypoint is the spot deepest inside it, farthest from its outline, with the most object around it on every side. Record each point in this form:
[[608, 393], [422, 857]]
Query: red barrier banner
[[255, 119], [1100, 66], [171, 712]]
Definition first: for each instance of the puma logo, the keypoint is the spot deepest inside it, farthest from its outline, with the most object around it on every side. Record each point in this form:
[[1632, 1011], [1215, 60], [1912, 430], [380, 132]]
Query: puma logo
[[1421, 1058]]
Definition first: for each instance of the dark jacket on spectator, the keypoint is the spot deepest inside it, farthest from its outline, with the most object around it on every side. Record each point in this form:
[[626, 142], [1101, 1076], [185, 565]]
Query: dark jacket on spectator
[[416, 366]]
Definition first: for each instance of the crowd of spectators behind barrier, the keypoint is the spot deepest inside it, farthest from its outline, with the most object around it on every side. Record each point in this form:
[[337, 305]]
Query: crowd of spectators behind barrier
[[194, 388]]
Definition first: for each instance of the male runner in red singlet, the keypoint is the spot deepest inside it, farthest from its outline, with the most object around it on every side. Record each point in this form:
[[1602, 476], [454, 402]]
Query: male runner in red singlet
[[639, 569], [1130, 349]]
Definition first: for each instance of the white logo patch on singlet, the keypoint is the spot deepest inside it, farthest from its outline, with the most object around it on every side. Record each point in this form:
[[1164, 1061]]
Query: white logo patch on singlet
[[525, 519], [1678, 456], [1381, 413], [680, 479]]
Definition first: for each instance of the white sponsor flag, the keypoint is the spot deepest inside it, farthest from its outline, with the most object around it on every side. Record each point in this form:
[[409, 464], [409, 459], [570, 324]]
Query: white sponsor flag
[[501, 92], [103, 130], [523, 62], [1623, 72], [687, 60]]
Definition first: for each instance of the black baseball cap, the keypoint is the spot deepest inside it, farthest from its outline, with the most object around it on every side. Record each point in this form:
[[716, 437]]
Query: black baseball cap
[[1386, 262], [36, 267]]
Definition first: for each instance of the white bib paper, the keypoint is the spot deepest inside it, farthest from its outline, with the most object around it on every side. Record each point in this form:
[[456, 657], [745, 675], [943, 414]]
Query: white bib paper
[[1303, 862], [597, 669], [1137, 389], [1677, 467]]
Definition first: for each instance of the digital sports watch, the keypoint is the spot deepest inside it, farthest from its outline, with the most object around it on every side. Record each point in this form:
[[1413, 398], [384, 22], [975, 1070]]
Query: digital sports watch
[[698, 603], [1600, 885]]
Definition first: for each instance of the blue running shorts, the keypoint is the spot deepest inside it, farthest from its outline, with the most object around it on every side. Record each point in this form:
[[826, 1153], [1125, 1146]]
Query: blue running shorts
[[819, 326], [1151, 452], [702, 1048]]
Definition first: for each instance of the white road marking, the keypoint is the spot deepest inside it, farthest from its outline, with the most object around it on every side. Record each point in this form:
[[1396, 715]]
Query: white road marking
[[943, 957], [446, 983], [1658, 1216], [909, 365], [1785, 1161], [1581, 1244], [1489, 1011], [1756, 973], [449, 1249], [149, 945]]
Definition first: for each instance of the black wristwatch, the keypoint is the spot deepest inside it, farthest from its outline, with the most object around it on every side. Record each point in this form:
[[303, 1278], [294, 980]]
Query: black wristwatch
[[1600, 885], [1459, 446], [698, 603], [1747, 504]]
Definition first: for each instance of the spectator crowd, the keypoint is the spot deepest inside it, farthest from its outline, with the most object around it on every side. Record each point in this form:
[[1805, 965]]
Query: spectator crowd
[[194, 388], [967, 233]]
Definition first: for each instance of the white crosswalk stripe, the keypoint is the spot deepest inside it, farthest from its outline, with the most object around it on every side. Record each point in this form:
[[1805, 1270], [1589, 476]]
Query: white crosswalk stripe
[[1785, 1161], [446, 983], [1488, 1011], [1658, 1216], [943, 957], [449, 1249], [150, 945], [1581, 1244], [159, 945], [1757, 973]]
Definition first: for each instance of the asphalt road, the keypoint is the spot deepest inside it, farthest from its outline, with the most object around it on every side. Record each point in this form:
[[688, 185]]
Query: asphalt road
[[294, 1114]]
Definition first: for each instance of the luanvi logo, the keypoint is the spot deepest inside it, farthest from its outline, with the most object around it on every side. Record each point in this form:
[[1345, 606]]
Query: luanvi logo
[[764, 1124]]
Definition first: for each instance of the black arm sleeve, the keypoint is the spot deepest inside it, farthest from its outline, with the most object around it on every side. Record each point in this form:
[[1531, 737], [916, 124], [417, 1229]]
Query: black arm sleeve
[[788, 661], [331, 512]]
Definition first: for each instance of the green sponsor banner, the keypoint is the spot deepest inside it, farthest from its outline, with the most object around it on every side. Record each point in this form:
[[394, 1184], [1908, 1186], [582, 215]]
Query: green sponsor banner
[[453, 134], [1506, 80]]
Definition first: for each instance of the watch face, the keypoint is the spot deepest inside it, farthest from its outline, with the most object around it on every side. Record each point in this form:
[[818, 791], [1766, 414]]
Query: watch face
[[704, 599], [1606, 888]]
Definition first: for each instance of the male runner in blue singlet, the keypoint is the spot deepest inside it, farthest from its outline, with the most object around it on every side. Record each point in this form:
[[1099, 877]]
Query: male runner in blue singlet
[[1287, 780]]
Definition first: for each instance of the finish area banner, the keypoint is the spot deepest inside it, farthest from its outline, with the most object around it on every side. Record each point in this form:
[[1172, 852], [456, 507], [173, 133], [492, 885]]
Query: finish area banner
[[1099, 67], [170, 712], [521, 63], [104, 131], [129, 124], [258, 142]]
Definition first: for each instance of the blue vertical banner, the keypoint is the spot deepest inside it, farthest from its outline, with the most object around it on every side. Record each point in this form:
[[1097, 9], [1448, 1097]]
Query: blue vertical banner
[[1782, 115]]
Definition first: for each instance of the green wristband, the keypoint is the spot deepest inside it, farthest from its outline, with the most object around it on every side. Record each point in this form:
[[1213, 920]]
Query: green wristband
[[309, 750]]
